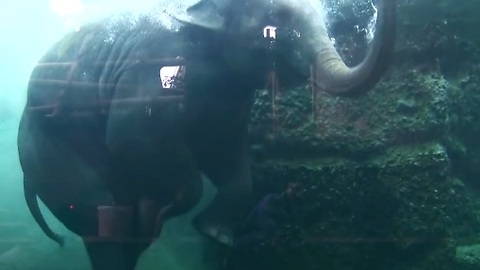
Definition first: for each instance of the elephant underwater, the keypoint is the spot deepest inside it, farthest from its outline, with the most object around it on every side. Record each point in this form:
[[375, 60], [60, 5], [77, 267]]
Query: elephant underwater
[[113, 153]]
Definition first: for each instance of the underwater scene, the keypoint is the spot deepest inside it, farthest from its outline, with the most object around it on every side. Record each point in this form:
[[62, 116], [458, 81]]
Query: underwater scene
[[240, 135]]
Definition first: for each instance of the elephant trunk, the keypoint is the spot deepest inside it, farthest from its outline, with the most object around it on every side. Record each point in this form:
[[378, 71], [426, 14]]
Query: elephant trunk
[[334, 76]]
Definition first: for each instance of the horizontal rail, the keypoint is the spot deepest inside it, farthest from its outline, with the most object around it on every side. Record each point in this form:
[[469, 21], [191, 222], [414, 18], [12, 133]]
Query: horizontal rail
[[100, 104], [160, 61], [89, 85]]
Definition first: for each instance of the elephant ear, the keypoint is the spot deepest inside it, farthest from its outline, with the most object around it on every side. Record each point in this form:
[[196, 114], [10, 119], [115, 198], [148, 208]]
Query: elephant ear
[[204, 14]]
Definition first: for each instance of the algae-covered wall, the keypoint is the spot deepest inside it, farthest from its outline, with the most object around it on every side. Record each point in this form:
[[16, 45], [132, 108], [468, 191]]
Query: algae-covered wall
[[388, 180]]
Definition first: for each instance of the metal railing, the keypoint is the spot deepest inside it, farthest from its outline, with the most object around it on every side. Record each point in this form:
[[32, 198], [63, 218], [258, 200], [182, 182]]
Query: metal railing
[[160, 95]]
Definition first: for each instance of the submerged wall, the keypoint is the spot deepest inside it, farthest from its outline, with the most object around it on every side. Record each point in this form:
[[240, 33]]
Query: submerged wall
[[388, 180]]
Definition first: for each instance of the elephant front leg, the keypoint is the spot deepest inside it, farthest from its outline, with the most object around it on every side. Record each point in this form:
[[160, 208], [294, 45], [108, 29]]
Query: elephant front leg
[[232, 176], [153, 215], [185, 199]]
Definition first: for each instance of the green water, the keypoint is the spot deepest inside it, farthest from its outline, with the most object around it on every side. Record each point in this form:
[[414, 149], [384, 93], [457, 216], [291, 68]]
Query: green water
[[411, 203]]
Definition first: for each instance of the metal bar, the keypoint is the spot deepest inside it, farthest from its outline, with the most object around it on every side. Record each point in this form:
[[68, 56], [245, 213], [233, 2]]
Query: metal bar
[[166, 61], [313, 90], [60, 64], [159, 61], [126, 101], [63, 83]]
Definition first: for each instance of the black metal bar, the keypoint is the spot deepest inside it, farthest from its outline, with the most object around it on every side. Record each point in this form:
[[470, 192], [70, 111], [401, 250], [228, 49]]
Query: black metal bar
[[64, 83], [126, 101], [313, 89], [160, 61]]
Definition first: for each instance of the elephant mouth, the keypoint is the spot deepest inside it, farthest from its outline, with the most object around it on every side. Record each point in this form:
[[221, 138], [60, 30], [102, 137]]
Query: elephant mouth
[[331, 74], [278, 36]]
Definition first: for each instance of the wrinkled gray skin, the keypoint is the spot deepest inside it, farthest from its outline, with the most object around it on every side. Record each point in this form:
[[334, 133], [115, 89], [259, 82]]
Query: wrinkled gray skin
[[120, 155]]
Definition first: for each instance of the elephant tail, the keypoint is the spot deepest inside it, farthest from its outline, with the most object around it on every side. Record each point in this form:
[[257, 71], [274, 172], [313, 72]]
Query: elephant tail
[[32, 204]]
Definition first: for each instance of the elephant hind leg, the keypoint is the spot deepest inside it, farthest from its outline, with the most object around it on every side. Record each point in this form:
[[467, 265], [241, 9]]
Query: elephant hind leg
[[32, 204]]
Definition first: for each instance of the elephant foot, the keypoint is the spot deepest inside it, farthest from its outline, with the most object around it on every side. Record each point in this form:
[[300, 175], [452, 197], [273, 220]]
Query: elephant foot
[[220, 220], [216, 232]]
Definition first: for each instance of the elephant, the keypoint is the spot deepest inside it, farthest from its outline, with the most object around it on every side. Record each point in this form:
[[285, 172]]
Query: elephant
[[100, 133]]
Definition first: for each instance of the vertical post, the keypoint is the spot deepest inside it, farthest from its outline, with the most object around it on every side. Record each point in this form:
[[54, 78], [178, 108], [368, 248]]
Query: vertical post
[[269, 33], [313, 90], [274, 84]]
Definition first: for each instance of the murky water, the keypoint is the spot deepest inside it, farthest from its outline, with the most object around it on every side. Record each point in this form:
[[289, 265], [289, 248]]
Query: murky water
[[29, 28]]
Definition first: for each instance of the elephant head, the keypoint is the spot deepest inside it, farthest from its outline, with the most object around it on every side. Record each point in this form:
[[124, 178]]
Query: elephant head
[[249, 56], [246, 57], [245, 20]]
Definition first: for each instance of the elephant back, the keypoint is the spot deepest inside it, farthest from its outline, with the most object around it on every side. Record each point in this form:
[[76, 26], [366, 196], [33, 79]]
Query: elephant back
[[104, 64]]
